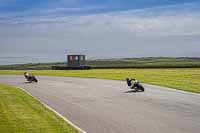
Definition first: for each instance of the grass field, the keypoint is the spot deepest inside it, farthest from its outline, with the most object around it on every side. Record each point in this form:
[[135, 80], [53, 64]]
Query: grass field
[[21, 113], [145, 62], [182, 79]]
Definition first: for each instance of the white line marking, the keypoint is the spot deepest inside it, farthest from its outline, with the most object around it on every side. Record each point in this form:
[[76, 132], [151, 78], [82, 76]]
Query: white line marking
[[61, 116]]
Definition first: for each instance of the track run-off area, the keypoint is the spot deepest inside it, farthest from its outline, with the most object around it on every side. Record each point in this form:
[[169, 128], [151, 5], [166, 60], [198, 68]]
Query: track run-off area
[[108, 106]]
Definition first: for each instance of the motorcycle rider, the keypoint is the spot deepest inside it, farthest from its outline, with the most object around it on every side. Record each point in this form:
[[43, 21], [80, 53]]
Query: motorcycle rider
[[27, 75], [132, 82], [30, 77]]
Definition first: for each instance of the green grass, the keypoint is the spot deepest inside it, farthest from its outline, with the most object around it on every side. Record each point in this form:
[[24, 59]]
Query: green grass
[[145, 62], [182, 79], [21, 113]]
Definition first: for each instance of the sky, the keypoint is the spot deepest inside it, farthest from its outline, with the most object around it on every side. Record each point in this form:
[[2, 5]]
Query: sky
[[34, 31]]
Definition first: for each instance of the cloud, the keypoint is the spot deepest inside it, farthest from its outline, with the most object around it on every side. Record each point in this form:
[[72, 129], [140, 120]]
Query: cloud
[[180, 19], [161, 31]]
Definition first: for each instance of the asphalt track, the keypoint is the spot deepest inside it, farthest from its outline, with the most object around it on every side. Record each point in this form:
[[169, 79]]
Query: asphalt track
[[107, 106]]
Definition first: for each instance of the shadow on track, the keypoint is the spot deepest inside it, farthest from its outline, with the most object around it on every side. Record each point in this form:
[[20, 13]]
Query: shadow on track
[[133, 91], [28, 82]]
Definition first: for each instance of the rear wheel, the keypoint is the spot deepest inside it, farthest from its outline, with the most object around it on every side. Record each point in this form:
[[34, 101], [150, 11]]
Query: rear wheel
[[36, 80]]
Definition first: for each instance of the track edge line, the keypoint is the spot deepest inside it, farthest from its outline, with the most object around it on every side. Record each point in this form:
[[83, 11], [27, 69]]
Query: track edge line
[[58, 114]]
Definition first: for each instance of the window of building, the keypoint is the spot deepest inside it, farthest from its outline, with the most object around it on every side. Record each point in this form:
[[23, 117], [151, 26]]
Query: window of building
[[82, 58], [72, 58], [76, 58]]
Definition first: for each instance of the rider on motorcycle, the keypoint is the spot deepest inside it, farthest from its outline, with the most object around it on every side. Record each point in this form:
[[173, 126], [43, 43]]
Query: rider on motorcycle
[[27, 75], [132, 82], [30, 77]]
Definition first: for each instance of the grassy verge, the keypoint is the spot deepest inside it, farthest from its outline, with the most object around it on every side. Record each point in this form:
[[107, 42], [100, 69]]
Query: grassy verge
[[144, 62], [20, 112], [182, 79]]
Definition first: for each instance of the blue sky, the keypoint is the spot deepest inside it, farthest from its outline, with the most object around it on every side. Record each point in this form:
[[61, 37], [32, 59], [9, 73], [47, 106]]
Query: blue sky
[[87, 6], [46, 30], [25, 5]]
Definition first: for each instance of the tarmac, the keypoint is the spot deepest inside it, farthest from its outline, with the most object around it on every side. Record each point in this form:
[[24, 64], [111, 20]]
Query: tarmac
[[108, 106]]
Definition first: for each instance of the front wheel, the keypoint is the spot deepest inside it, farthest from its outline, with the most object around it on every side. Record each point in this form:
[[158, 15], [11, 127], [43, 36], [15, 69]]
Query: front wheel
[[141, 87], [36, 80]]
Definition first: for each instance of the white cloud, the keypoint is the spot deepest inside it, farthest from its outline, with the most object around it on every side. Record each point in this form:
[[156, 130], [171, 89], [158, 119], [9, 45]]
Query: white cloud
[[169, 20], [162, 31]]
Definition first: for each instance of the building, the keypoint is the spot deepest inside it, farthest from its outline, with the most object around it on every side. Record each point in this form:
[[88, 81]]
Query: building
[[76, 60]]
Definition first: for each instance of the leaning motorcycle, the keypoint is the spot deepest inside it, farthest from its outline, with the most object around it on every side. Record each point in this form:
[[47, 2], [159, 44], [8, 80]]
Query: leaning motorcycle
[[31, 78], [136, 86]]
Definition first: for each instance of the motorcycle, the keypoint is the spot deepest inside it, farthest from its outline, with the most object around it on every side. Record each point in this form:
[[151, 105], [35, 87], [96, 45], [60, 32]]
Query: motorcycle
[[136, 85], [30, 78]]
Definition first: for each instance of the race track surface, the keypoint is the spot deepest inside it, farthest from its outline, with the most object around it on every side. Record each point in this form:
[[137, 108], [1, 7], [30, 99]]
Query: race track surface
[[107, 106]]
